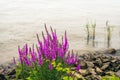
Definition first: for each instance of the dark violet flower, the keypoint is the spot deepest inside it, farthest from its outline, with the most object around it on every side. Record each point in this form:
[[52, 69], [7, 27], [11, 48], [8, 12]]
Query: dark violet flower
[[20, 55], [78, 67], [27, 61], [71, 59], [48, 49], [40, 61], [33, 55], [50, 66], [26, 49], [70, 74]]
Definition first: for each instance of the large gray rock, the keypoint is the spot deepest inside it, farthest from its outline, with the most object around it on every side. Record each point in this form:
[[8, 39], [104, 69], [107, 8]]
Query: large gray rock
[[90, 64], [2, 77], [98, 62], [105, 66], [1, 70], [98, 70], [110, 73], [91, 70], [110, 51], [118, 73], [84, 72], [105, 60], [83, 64], [93, 77], [79, 76]]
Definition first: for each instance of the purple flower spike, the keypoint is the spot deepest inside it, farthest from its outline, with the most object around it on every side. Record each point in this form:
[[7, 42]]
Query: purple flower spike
[[33, 55], [50, 66], [71, 59], [26, 49], [40, 61], [47, 50], [20, 55], [78, 67], [27, 61]]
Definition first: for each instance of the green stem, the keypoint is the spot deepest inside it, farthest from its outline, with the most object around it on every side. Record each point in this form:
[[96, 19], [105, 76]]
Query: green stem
[[23, 74]]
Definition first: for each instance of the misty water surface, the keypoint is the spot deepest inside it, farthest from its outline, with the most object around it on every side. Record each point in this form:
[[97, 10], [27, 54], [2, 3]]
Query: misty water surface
[[20, 20]]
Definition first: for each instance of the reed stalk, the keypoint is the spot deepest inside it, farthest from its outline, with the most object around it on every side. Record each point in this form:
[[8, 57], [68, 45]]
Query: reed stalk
[[88, 32], [94, 30], [108, 27]]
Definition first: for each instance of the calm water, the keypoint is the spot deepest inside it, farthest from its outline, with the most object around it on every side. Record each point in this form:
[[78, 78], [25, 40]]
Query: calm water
[[20, 20]]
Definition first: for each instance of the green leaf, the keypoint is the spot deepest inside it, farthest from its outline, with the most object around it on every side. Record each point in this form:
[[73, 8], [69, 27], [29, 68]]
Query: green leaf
[[28, 78]]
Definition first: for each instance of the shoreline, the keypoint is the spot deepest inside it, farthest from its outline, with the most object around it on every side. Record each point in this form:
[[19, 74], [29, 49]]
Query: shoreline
[[109, 52], [91, 65]]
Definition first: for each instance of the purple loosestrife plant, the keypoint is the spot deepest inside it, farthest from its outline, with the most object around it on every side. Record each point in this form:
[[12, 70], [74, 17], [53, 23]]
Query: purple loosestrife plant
[[78, 67], [48, 61], [50, 66]]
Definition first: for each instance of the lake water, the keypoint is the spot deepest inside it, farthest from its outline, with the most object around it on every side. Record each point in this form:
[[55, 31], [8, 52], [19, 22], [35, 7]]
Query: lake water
[[20, 20]]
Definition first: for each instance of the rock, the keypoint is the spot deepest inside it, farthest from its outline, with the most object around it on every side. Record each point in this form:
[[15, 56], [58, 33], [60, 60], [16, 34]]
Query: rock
[[80, 77], [105, 66], [118, 73], [90, 64], [11, 71], [110, 73], [98, 63], [114, 60], [110, 51], [114, 66], [86, 57], [93, 77], [2, 77], [98, 70], [12, 76], [117, 61], [91, 71], [84, 72], [83, 64], [102, 56], [105, 60], [92, 56], [1, 71]]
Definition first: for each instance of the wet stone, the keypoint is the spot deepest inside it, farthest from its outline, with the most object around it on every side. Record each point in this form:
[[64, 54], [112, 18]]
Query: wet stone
[[83, 64], [105, 66], [93, 77], [2, 77], [98, 62], [91, 71], [112, 51], [113, 61], [118, 73], [1, 71], [110, 73], [90, 64], [11, 71], [105, 60], [98, 70], [80, 77], [84, 72], [92, 57]]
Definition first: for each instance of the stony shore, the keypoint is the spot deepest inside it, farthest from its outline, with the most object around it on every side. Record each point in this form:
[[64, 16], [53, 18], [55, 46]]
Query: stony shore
[[99, 63], [94, 64]]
